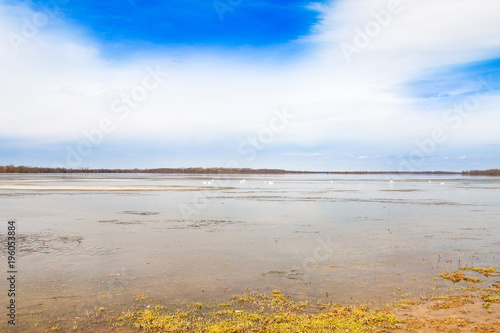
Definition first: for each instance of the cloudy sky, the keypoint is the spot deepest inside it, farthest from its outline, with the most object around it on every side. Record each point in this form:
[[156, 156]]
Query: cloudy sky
[[335, 85]]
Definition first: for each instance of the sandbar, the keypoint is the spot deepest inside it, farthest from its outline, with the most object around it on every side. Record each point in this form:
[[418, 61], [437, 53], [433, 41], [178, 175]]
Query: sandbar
[[25, 187]]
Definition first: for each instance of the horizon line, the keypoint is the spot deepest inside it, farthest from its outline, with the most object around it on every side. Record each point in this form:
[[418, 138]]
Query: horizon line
[[217, 170]]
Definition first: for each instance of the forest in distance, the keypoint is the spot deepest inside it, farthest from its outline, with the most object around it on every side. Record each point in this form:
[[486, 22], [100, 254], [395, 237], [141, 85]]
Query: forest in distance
[[245, 171]]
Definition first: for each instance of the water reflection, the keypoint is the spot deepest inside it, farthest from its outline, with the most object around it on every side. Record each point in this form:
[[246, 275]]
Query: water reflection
[[351, 235]]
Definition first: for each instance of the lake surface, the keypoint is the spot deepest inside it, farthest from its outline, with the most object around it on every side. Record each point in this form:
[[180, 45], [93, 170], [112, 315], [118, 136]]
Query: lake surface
[[340, 237]]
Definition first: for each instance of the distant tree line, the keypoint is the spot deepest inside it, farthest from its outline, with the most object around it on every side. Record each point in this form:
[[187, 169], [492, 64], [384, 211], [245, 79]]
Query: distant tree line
[[27, 169], [244, 171], [390, 172], [491, 172]]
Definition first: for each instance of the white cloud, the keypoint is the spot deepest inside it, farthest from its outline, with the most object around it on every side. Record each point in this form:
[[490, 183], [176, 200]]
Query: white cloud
[[59, 84], [422, 34]]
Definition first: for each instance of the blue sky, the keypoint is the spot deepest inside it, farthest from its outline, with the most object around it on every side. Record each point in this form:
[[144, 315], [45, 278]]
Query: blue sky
[[325, 85], [123, 27]]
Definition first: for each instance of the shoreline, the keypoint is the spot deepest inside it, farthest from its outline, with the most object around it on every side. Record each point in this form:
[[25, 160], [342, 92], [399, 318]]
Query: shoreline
[[466, 307]]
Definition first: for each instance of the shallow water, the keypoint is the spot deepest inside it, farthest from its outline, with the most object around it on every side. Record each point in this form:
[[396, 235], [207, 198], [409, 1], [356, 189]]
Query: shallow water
[[345, 237]]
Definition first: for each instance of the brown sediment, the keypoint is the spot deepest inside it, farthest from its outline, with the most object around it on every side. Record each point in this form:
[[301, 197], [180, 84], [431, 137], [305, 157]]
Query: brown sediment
[[488, 328], [451, 302], [467, 317], [406, 304], [451, 324]]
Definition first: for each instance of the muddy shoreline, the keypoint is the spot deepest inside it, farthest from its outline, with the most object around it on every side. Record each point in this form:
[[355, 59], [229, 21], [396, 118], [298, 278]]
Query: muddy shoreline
[[464, 307]]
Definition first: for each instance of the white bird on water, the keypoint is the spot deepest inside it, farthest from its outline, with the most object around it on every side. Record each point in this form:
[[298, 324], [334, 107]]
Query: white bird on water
[[242, 181], [268, 182]]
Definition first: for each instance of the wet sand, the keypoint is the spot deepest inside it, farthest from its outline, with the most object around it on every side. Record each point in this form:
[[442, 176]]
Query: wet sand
[[468, 318], [456, 311]]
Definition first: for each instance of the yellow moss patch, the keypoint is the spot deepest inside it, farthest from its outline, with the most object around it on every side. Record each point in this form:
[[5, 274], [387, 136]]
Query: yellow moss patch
[[143, 298], [488, 299], [457, 277], [490, 271], [405, 304], [451, 301], [495, 288], [156, 320], [471, 288], [450, 297], [263, 313]]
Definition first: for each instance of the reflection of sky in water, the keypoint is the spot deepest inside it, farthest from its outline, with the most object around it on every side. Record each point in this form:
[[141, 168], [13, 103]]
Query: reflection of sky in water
[[380, 234]]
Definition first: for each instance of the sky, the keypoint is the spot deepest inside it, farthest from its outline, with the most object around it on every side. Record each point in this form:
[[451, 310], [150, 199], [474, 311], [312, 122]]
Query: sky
[[365, 85]]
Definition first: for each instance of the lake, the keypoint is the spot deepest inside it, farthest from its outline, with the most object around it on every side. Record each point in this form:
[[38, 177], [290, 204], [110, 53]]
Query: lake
[[100, 239]]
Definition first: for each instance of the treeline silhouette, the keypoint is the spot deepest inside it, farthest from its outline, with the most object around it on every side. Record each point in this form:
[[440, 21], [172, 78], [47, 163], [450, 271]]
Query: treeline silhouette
[[27, 169], [390, 172], [491, 172]]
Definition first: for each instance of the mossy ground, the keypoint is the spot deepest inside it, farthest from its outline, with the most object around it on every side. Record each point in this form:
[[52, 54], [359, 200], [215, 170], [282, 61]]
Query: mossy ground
[[490, 271], [275, 312], [458, 276], [452, 311], [254, 312]]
